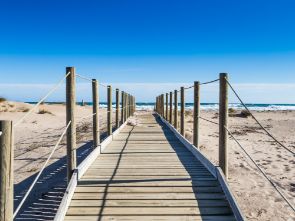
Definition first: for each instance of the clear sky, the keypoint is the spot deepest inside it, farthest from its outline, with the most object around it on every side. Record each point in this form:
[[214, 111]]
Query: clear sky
[[149, 41]]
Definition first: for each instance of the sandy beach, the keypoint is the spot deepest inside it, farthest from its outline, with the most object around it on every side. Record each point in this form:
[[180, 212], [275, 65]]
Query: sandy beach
[[255, 195], [35, 137]]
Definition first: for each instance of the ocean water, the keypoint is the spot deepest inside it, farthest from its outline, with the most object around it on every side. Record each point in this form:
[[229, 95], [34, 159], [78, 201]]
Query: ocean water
[[207, 106], [215, 106]]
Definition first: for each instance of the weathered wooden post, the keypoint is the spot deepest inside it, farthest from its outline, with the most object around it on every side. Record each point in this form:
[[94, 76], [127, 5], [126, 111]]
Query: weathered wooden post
[[163, 106], [95, 111], [128, 105], [175, 109], [133, 108], [125, 107], [182, 111], [166, 111], [158, 105], [171, 108], [223, 123], [109, 118], [6, 171], [70, 118], [122, 107], [117, 107], [196, 113]]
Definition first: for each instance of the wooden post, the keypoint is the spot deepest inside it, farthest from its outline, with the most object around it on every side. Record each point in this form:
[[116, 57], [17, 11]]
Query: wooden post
[[175, 109], [196, 114], [117, 107], [163, 106], [70, 117], [109, 118], [95, 111], [182, 111], [132, 107], [6, 171], [157, 104], [122, 106], [125, 107], [223, 123], [166, 117], [129, 105], [171, 108]]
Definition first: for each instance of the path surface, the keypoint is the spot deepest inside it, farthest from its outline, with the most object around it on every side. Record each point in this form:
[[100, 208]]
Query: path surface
[[147, 174]]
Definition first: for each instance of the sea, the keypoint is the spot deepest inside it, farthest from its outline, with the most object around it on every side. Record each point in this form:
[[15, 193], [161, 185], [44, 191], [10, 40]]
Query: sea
[[204, 106]]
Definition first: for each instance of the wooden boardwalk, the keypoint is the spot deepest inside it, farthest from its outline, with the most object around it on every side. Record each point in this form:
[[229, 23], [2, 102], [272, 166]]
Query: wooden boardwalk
[[146, 173]]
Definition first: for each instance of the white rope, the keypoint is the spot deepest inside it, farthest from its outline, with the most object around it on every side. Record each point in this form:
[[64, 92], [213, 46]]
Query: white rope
[[266, 131], [40, 172], [43, 99], [209, 121], [209, 82], [103, 85], [263, 173], [82, 77]]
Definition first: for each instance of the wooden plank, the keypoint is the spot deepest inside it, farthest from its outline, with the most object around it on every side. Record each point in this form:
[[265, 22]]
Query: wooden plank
[[151, 218], [140, 189], [148, 211], [149, 203], [158, 196], [155, 182]]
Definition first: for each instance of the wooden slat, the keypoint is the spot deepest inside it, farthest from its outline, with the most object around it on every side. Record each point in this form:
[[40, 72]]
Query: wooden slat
[[149, 203], [151, 218], [157, 196], [140, 189], [148, 211]]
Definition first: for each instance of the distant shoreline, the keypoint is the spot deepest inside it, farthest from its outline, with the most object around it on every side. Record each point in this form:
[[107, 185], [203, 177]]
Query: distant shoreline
[[204, 106]]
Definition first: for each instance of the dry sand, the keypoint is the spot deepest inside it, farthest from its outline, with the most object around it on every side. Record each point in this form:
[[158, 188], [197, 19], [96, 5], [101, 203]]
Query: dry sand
[[35, 137], [256, 197]]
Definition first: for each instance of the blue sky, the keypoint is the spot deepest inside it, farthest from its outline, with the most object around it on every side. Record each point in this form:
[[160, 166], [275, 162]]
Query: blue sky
[[149, 41]]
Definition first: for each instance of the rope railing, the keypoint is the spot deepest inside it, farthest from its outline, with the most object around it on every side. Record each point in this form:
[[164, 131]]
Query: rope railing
[[169, 110], [127, 108], [209, 82], [262, 127], [42, 100], [202, 83], [84, 78], [189, 87], [210, 121], [40, 172], [89, 79]]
